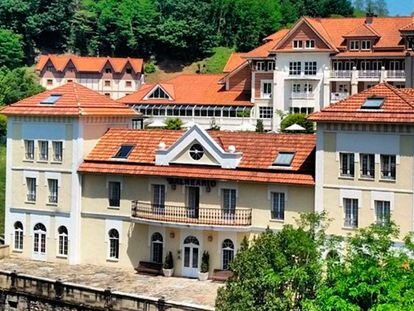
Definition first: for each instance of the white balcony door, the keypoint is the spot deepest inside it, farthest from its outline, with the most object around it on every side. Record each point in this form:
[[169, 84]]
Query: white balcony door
[[193, 201], [39, 242], [191, 252]]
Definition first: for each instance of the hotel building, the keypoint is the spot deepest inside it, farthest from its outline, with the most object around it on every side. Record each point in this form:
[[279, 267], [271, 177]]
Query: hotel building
[[113, 77]]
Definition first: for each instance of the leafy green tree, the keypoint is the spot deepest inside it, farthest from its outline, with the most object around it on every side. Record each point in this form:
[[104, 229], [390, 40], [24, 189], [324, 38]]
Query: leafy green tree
[[11, 52], [378, 7], [296, 118], [173, 124], [17, 84]]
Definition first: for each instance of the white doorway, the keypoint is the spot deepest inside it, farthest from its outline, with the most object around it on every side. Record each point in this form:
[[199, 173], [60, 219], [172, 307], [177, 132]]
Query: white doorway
[[191, 253], [39, 242]]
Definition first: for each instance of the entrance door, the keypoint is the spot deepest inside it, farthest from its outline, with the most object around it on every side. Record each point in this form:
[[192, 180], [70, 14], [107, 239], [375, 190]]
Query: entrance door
[[193, 200], [39, 242], [191, 256]]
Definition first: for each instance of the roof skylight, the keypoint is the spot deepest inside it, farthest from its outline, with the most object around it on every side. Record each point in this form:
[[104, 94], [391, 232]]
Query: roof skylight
[[373, 103], [123, 152], [51, 99], [284, 159]]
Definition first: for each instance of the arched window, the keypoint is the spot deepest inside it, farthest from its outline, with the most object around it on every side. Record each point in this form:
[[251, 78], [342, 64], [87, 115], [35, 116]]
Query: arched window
[[191, 240], [18, 236], [113, 244], [227, 251], [39, 242], [63, 241], [156, 247]]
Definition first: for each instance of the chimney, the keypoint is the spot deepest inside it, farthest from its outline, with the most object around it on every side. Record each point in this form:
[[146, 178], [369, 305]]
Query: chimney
[[369, 17]]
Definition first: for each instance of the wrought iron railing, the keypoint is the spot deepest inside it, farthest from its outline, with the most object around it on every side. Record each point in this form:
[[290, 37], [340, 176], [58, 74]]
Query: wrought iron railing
[[186, 215]]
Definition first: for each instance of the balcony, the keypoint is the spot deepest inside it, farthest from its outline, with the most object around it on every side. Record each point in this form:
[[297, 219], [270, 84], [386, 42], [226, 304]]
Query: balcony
[[240, 217], [396, 74], [337, 96], [371, 74], [302, 95], [341, 74]]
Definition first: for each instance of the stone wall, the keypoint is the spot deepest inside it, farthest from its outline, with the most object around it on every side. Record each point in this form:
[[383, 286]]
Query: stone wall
[[4, 251]]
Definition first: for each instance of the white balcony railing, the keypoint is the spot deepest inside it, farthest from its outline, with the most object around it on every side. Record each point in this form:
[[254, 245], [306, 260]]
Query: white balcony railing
[[337, 96], [396, 74], [369, 74], [341, 73], [302, 95]]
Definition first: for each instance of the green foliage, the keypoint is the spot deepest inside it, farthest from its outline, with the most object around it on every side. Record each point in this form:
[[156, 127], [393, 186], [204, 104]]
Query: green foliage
[[378, 7], [205, 262], [3, 126], [299, 119], [244, 114], [2, 184], [168, 262], [173, 124], [17, 84], [11, 52], [150, 67], [216, 62], [259, 126]]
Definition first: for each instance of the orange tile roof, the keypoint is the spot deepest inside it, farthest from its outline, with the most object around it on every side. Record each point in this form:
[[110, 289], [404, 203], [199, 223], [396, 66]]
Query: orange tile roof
[[75, 100], [398, 107], [363, 30], [89, 64], [259, 152], [234, 61], [192, 89], [271, 41], [365, 54]]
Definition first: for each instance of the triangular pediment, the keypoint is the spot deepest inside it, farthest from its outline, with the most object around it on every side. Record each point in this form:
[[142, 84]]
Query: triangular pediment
[[159, 91]]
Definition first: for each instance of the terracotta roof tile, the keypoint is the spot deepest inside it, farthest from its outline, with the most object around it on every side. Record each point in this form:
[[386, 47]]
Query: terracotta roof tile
[[234, 61], [192, 89], [363, 30], [398, 107], [264, 49], [259, 152], [75, 100]]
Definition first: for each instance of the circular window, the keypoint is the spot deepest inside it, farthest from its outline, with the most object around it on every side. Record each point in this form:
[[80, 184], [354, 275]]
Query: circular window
[[196, 151]]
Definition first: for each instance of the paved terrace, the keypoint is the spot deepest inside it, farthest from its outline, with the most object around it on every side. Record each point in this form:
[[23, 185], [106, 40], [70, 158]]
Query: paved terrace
[[124, 280]]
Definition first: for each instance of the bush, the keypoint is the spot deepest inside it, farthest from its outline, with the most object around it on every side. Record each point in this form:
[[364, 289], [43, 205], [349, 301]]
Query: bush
[[150, 67], [205, 262], [259, 126], [173, 124], [299, 119], [168, 263], [3, 125]]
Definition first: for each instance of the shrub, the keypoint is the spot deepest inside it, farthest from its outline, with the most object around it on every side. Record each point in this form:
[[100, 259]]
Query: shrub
[[205, 262], [173, 124], [299, 119], [259, 126], [3, 126], [169, 263], [150, 67]]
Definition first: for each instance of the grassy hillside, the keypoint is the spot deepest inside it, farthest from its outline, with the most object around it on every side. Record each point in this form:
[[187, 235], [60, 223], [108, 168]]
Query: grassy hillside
[[2, 185]]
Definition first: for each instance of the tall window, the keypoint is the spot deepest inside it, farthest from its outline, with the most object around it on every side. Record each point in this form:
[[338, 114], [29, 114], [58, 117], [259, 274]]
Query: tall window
[[57, 151], [29, 149], [388, 166], [156, 247], [114, 193], [113, 244], [382, 212], [228, 200], [278, 205], [18, 236], [158, 196], [295, 68], [265, 112], [351, 213], [53, 190], [227, 252], [266, 89], [39, 239], [347, 164], [31, 189], [367, 165], [43, 150], [310, 68], [63, 241]]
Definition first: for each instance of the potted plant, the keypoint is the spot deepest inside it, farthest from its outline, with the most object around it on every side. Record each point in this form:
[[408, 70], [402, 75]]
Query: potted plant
[[168, 267], [205, 267]]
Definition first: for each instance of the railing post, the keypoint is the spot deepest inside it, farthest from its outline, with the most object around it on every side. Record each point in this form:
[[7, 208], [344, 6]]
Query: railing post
[[13, 280], [58, 289], [108, 298], [161, 304]]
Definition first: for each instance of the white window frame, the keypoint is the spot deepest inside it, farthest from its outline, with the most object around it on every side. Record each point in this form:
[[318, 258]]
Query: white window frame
[[382, 176], [109, 183], [53, 186], [262, 89], [295, 68], [229, 250], [366, 45], [296, 87], [63, 243], [265, 112], [297, 44], [18, 237], [282, 198], [29, 154], [370, 159], [113, 245], [354, 45], [158, 196], [55, 148], [43, 143], [31, 189], [349, 156], [311, 68], [271, 65], [260, 66], [232, 200], [354, 209], [376, 206], [310, 44]]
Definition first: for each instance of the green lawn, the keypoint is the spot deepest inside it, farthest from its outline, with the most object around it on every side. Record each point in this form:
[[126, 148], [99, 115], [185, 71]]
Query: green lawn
[[216, 62], [2, 185]]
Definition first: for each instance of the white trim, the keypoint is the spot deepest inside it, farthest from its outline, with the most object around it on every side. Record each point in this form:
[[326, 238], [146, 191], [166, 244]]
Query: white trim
[[157, 181], [113, 224], [160, 230], [146, 97], [227, 185], [350, 194], [382, 196], [262, 95], [30, 174], [54, 175]]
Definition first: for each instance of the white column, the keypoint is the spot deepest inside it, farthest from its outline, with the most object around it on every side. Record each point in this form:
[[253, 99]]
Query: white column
[[275, 117], [383, 75], [354, 81], [319, 169], [326, 88]]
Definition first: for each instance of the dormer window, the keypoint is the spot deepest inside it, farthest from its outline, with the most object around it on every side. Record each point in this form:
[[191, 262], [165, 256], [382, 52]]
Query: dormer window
[[373, 103], [159, 93], [196, 151], [71, 69], [128, 70], [123, 152], [49, 68], [271, 66], [284, 159], [310, 44], [366, 45], [260, 66], [108, 70], [354, 45], [297, 44], [51, 99]]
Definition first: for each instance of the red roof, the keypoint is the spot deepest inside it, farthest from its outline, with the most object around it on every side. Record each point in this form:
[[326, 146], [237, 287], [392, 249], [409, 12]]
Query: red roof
[[363, 30], [234, 61], [258, 153], [74, 100], [271, 41], [191, 89], [397, 108], [89, 64]]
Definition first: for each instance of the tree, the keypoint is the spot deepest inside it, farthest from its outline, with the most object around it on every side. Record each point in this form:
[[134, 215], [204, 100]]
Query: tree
[[173, 124], [11, 52], [297, 118], [17, 84], [278, 270], [378, 7]]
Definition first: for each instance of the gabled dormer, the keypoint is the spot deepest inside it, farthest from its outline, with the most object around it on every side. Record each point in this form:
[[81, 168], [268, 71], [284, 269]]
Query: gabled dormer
[[197, 147], [161, 91], [361, 38]]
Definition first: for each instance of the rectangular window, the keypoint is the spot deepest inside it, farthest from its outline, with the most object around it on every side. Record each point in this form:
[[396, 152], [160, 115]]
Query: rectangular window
[[57, 151], [278, 205], [53, 190], [297, 44], [347, 164], [296, 88], [366, 45], [158, 196], [128, 83], [310, 44], [43, 150], [308, 88], [354, 45], [260, 66], [310, 68], [388, 166], [49, 82], [382, 212], [367, 162], [295, 68], [128, 70], [49, 68], [351, 213], [29, 149], [107, 83], [266, 90], [228, 200], [137, 124], [108, 70], [271, 66], [31, 189], [265, 112], [114, 193]]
